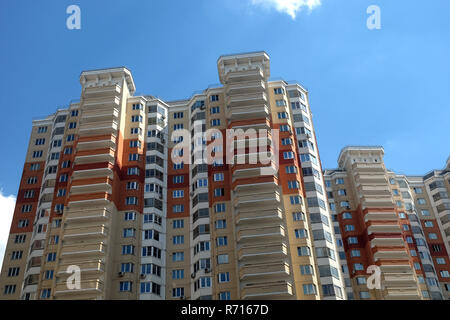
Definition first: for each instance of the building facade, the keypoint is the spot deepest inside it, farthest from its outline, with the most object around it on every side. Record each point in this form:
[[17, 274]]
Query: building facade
[[103, 201], [394, 222], [219, 196]]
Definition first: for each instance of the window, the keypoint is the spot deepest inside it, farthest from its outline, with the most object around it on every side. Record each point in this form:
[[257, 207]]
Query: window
[[225, 295], [223, 277], [358, 267], [339, 181], [221, 241], [178, 179], [285, 128], [280, 103], [74, 113], [440, 260], [278, 90], [421, 201], [150, 287], [214, 98], [428, 224], [127, 249], [221, 224], [131, 201], [298, 216], [16, 255], [42, 130], [125, 286], [177, 292], [51, 257], [301, 233], [133, 171], [215, 122], [295, 200], [177, 256], [364, 295], [444, 274], [37, 154], [178, 240], [177, 274], [432, 236], [283, 115], [23, 223], [352, 240], [70, 137], [293, 185], [178, 224], [129, 232], [9, 289], [13, 272], [303, 251], [136, 118], [219, 192], [349, 227], [72, 125], [136, 130], [177, 126], [309, 289], [306, 270], [39, 142], [27, 208], [355, 253], [287, 155], [215, 110], [219, 207], [178, 208], [219, 177], [222, 259], [45, 293]]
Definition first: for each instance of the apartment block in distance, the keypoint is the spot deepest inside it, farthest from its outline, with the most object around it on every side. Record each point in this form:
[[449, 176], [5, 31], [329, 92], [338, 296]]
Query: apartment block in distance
[[102, 198], [395, 222]]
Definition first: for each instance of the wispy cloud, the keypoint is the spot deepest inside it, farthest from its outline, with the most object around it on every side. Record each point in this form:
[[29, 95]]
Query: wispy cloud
[[7, 204], [291, 7]]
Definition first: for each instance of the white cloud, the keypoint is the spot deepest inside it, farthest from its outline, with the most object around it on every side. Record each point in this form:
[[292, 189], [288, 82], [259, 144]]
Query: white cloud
[[291, 7], [7, 204]]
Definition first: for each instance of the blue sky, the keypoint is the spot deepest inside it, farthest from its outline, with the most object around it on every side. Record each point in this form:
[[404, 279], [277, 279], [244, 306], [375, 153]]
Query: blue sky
[[382, 87]]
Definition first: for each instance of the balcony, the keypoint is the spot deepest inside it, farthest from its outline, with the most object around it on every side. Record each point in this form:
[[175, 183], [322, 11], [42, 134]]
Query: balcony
[[98, 103], [256, 200], [104, 91], [399, 279], [262, 252], [244, 75], [90, 267], [382, 215], [102, 115], [391, 255], [92, 173], [247, 112], [247, 87], [263, 271], [95, 156], [374, 190], [86, 232], [383, 240], [383, 228], [87, 287], [368, 167], [395, 268], [362, 178], [86, 215], [89, 199], [92, 185], [83, 250], [377, 202], [264, 216], [98, 128], [102, 143], [260, 234], [402, 294], [268, 290], [248, 99]]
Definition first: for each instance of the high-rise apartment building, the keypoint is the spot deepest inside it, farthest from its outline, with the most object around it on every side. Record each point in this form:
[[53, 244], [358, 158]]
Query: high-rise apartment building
[[400, 224], [104, 192]]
